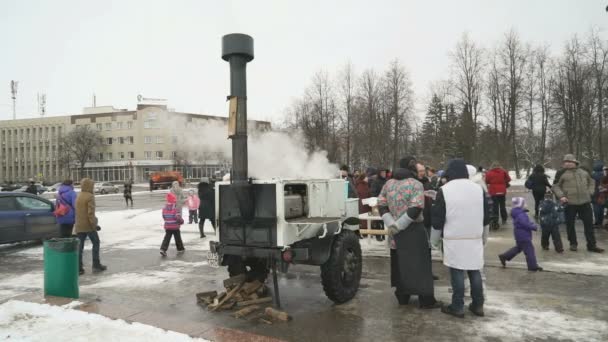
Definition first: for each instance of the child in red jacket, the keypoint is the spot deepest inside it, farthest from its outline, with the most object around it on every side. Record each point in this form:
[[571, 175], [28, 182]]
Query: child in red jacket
[[173, 221], [498, 180]]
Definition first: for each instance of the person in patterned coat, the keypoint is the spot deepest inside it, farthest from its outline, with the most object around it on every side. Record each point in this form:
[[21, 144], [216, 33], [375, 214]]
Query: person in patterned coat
[[401, 203]]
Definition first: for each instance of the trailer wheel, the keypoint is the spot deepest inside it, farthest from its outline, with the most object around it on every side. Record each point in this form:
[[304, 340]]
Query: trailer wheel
[[341, 274], [254, 268]]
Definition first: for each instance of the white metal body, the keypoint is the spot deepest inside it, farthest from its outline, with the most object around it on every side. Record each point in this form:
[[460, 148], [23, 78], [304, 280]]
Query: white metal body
[[327, 202]]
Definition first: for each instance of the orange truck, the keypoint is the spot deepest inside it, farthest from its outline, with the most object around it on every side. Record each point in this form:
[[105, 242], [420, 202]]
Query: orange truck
[[163, 179]]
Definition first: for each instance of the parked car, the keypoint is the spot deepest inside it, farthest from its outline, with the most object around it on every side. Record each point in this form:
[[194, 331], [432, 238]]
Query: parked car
[[24, 217], [53, 187], [105, 188], [11, 186], [39, 188]]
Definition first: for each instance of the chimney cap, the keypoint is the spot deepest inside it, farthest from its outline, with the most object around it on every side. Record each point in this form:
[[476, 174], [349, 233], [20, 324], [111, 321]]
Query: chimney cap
[[237, 44]]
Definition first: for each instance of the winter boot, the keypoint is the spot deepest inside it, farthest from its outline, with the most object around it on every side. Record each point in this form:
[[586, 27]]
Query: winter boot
[[163, 253], [448, 310], [99, 268], [503, 260], [476, 310], [596, 250]]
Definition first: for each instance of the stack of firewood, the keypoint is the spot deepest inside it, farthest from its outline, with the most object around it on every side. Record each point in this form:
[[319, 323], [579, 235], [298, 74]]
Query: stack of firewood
[[244, 296]]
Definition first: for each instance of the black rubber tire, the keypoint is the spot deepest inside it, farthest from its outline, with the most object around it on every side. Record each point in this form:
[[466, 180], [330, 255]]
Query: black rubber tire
[[103, 192], [254, 268], [341, 274]]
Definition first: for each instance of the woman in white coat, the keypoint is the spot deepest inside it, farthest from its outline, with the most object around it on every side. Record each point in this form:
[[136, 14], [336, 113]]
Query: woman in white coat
[[460, 211]]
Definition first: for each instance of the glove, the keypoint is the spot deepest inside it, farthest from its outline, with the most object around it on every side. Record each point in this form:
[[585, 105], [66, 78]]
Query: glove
[[98, 228], [390, 224], [403, 222], [435, 238]]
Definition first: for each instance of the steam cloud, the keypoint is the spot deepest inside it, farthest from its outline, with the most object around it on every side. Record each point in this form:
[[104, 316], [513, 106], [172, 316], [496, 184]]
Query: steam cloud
[[271, 154]]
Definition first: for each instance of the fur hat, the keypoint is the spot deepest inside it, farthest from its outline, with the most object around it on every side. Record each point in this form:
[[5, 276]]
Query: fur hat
[[171, 198], [518, 202], [570, 158]]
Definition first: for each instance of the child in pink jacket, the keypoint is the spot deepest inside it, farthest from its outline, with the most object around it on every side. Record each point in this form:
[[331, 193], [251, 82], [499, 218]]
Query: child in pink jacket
[[193, 202], [173, 221]]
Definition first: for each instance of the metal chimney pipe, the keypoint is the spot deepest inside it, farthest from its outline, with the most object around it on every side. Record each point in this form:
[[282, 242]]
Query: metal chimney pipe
[[237, 49]]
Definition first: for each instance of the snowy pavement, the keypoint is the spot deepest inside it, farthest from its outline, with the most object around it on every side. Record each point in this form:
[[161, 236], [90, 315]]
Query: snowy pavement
[[140, 286]]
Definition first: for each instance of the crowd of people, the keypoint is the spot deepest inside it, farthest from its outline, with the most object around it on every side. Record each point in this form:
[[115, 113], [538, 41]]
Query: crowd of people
[[76, 217], [453, 210]]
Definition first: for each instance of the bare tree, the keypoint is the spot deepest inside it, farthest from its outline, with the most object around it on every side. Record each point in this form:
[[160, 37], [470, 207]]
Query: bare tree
[[347, 93], [544, 84], [598, 54], [467, 69], [400, 98], [81, 144]]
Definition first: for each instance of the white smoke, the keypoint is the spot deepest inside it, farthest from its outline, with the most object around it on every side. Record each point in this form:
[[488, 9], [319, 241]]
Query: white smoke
[[271, 154], [278, 155]]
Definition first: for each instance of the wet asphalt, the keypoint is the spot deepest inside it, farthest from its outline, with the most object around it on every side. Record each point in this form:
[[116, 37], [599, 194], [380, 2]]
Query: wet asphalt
[[561, 304]]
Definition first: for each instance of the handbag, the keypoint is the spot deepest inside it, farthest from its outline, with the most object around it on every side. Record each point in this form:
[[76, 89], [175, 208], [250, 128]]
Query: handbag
[[61, 209]]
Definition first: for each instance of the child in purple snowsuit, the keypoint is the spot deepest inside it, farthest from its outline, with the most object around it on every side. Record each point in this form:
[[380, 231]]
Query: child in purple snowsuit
[[522, 229]]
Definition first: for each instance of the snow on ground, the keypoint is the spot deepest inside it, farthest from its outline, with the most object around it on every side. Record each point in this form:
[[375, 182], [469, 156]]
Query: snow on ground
[[24, 321], [522, 180], [520, 323]]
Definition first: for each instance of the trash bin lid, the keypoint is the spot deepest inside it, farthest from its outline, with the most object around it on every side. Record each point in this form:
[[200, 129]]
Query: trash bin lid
[[62, 244]]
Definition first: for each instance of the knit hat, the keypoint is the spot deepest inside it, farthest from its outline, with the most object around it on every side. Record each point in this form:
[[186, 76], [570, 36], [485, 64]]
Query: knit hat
[[370, 171], [171, 198], [518, 202]]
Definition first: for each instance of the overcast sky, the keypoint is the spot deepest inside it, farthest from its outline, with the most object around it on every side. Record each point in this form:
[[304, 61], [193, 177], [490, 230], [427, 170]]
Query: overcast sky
[[171, 49]]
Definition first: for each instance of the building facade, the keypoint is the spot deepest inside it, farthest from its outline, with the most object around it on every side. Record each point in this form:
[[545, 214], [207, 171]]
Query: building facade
[[135, 144]]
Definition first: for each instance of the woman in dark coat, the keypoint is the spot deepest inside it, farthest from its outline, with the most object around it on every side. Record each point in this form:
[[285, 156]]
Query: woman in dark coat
[[539, 182], [362, 188], [401, 203], [206, 210]]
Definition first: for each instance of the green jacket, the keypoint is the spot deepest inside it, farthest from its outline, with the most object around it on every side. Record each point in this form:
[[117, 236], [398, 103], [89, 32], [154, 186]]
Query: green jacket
[[576, 185]]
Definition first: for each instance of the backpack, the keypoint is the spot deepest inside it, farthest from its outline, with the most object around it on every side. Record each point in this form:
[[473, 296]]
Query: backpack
[[529, 183]]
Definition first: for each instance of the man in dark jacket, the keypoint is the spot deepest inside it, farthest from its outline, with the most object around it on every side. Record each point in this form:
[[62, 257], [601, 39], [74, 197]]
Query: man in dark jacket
[[378, 183], [598, 209], [206, 210], [32, 189], [538, 182]]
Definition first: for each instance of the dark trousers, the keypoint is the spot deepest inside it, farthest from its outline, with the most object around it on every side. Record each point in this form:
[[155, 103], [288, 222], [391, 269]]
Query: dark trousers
[[552, 232], [66, 230], [584, 211], [192, 216], [457, 278], [201, 222], [498, 203], [538, 197], [178, 240], [598, 213], [523, 246], [129, 198], [94, 237]]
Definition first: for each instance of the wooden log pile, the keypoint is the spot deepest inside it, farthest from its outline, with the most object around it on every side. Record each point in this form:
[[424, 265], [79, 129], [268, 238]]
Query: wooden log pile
[[246, 297]]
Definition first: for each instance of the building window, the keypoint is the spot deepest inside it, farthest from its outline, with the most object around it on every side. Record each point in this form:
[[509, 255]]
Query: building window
[[130, 140], [109, 155], [100, 156], [121, 140], [119, 125], [99, 126], [122, 155], [174, 155], [159, 139], [108, 126], [129, 124], [131, 155], [147, 155], [159, 154], [147, 140], [174, 139], [109, 141]]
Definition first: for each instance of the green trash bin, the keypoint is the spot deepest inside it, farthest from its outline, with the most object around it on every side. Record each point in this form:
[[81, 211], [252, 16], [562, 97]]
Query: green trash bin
[[61, 267]]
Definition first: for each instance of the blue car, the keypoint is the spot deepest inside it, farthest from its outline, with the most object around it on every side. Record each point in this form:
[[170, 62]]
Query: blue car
[[24, 216]]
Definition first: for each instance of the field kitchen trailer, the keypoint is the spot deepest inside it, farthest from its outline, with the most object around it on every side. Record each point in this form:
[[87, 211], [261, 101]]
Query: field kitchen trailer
[[269, 224]]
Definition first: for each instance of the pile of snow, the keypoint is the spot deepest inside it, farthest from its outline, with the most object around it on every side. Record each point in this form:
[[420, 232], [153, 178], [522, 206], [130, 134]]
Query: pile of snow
[[23, 321]]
